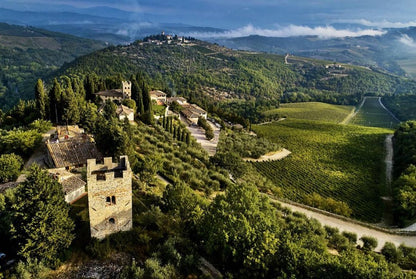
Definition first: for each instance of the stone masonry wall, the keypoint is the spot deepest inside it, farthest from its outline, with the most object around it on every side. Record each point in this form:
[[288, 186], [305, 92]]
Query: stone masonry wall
[[109, 197]]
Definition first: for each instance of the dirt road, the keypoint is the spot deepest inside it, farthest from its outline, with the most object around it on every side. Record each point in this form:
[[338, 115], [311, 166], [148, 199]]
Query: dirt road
[[342, 225], [199, 134]]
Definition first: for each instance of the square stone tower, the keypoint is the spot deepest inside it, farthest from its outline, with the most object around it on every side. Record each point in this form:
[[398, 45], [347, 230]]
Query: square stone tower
[[126, 89], [109, 196]]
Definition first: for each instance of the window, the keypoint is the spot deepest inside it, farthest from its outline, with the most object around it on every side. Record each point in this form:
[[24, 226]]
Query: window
[[100, 176], [111, 221], [110, 200]]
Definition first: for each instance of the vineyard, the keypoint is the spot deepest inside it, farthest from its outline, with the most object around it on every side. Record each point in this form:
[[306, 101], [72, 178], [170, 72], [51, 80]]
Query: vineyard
[[312, 111], [341, 162], [374, 115]]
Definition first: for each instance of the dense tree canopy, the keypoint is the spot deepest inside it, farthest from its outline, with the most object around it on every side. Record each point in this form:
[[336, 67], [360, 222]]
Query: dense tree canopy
[[41, 224]]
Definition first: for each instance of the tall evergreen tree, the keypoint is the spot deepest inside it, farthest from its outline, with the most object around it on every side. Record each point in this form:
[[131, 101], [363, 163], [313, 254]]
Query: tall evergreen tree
[[41, 224], [54, 101], [41, 99]]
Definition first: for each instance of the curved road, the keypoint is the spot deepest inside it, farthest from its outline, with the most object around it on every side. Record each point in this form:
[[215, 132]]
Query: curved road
[[342, 225]]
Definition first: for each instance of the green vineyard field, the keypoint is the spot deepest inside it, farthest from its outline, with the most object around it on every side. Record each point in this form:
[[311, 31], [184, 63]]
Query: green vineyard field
[[312, 111], [342, 162], [372, 114]]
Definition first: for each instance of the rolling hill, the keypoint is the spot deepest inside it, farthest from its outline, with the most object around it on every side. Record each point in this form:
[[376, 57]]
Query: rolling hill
[[239, 82], [28, 53]]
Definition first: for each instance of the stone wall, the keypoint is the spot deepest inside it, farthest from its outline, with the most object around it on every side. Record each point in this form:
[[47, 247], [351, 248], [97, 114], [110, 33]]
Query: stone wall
[[109, 196]]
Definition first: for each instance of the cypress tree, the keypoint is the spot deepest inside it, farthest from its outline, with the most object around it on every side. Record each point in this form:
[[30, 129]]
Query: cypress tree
[[41, 99], [54, 101]]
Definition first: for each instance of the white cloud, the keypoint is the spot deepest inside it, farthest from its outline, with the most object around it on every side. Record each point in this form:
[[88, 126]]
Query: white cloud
[[382, 24], [406, 40], [290, 31]]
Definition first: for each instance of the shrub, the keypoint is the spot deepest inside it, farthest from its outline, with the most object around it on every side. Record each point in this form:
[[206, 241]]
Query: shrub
[[390, 252], [369, 243], [352, 237]]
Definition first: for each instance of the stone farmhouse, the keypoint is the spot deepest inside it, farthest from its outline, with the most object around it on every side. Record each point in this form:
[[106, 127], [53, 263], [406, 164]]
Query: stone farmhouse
[[180, 100], [109, 196], [192, 112], [158, 96], [123, 112], [116, 94], [72, 185], [70, 147]]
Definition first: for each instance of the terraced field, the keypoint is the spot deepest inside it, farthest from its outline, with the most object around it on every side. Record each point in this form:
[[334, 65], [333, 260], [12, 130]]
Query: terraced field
[[312, 111], [373, 114], [342, 162]]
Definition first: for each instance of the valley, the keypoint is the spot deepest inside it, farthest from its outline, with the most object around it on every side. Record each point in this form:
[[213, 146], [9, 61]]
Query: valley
[[311, 134]]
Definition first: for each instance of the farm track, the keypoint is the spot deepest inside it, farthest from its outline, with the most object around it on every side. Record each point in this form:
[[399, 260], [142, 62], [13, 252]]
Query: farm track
[[343, 224], [353, 113]]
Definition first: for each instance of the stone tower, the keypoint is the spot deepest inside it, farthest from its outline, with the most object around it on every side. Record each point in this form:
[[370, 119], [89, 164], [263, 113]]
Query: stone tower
[[109, 196], [126, 89]]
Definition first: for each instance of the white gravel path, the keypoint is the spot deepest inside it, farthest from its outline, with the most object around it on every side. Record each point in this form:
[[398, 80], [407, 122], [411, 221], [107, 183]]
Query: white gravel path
[[382, 237]]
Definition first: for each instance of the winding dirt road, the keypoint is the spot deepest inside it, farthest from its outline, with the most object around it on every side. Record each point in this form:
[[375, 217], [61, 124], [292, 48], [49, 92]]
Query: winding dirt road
[[343, 225]]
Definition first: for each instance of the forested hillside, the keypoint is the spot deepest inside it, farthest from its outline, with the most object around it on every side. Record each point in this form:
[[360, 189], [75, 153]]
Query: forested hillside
[[234, 83], [28, 53]]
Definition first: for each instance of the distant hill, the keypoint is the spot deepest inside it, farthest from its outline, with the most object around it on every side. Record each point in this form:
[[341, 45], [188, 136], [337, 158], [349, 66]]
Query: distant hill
[[388, 52], [28, 53], [239, 81]]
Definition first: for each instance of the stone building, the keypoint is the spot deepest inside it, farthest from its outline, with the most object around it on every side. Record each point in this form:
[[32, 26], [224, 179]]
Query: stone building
[[116, 94], [125, 112], [109, 196]]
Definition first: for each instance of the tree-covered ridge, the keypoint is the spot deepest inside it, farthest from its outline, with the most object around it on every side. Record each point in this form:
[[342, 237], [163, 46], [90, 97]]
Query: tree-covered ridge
[[404, 185], [244, 73], [28, 53], [403, 106]]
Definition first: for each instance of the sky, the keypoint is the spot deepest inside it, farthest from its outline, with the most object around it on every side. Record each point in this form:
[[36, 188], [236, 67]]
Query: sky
[[278, 17]]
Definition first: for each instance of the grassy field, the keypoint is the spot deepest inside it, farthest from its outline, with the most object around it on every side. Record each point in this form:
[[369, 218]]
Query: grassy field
[[342, 162], [372, 114], [312, 111]]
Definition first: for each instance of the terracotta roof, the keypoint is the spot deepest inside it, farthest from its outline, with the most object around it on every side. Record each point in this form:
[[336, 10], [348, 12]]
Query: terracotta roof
[[124, 110], [72, 152], [71, 184], [157, 93], [117, 93], [189, 113]]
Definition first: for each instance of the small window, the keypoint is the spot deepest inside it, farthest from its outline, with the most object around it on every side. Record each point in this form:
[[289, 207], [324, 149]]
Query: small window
[[108, 200], [113, 200], [111, 221], [100, 176]]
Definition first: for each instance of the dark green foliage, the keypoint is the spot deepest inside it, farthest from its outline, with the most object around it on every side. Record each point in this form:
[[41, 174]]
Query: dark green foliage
[[109, 109], [209, 132], [352, 237], [183, 203], [230, 161], [41, 223], [402, 105], [256, 81], [19, 141], [369, 243], [42, 102], [390, 252], [404, 184], [10, 166], [241, 231], [28, 53], [42, 126], [244, 144]]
